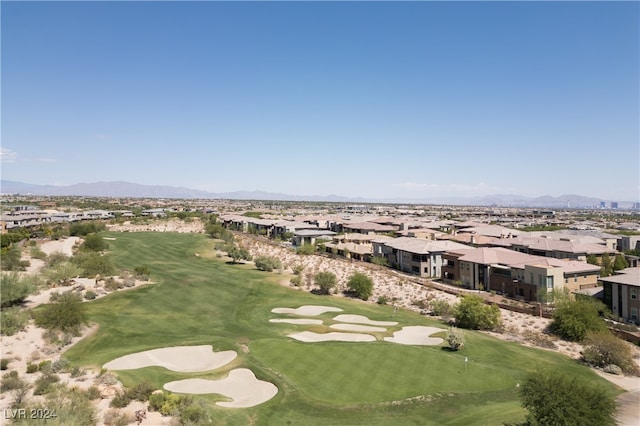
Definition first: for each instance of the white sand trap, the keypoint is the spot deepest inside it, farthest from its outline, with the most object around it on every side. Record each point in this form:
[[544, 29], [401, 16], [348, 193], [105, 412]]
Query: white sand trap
[[356, 327], [309, 336], [361, 319], [241, 385], [297, 321], [416, 335], [306, 310], [185, 359]]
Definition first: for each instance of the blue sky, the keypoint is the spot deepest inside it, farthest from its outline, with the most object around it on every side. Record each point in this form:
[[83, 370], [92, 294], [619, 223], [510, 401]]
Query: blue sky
[[373, 99]]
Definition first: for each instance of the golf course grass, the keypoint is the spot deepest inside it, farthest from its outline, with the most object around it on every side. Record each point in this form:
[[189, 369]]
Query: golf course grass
[[199, 300]]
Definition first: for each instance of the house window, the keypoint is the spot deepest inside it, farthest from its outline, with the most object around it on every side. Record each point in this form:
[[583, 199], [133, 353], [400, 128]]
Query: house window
[[550, 282], [634, 314], [634, 294], [575, 278]]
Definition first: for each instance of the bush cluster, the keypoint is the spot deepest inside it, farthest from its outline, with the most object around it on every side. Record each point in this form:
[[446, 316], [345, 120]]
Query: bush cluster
[[472, 313], [603, 349], [268, 264], [361, 285]]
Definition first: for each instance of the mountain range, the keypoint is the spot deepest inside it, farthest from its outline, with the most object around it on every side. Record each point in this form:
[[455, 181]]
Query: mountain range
[[119, 189]]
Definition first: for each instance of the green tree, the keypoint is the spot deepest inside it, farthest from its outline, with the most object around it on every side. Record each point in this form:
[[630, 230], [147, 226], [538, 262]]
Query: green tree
[[620, 262], [553, 398], [607, 265], [573, 319], [238, 253], [325, 281], [11, 259], [68, 314], [217, 231], [472, 313], [94, 242], [14, 289], [361, 285], [592, 260]]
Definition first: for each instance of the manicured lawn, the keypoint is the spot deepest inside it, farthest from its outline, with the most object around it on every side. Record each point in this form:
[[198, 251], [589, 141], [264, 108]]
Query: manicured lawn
[[202, 300]]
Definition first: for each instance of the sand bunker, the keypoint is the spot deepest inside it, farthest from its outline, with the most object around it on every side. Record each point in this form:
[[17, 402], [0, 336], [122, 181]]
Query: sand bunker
[[355, 327], [241, 385], [416, 335], [309, 336], [297, 321], [185, 359], [360, 319], [306, 310]]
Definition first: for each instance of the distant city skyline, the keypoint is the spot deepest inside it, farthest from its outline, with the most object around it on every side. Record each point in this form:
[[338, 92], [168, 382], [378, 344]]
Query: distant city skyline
[[359, 99]]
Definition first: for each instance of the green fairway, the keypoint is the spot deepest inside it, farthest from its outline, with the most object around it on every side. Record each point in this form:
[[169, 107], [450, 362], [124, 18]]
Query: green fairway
[[202, 300]]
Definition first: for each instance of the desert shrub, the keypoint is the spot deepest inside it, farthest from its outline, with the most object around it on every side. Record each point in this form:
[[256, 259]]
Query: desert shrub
[[574, 319], [56, 258], [4, 363], [90, 295], [379, 260], [440, 307], [120, 400], [76, 372], [325, 281], [10, 381], [472, 313], [45, 366], [81, 229], [455, 338], [36, 253], [141, 391], [238, 253], [117, 418], [296, 280], [92, 264], [112, 284], [11, 259], [59, 365], [142, 272], [44, 383], [62, 272], [193, 414], [361, 285], [129, 282], [68, 314], [93, 392], [13, 320], [14, 289], [173, 404], [297, 269], [306, 249], [71, 406], [539, 339], [603, 348], [554, 398], [156, 400], [268, 264], [382, 300], [94, 242], [32, 368]]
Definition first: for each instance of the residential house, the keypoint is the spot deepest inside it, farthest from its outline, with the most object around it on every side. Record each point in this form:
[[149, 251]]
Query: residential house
[[415, 255], [516, 274], [622, 294]]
